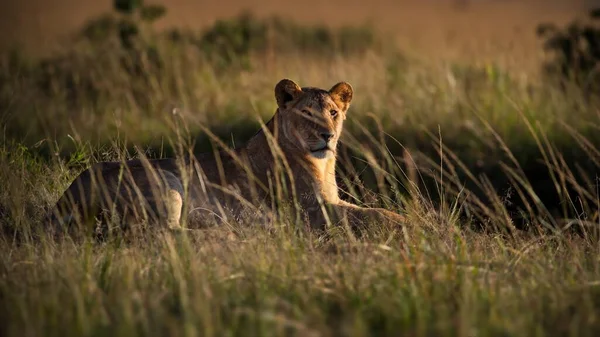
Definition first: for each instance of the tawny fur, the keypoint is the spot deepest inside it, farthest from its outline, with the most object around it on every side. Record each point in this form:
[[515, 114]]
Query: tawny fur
[[291, 160]]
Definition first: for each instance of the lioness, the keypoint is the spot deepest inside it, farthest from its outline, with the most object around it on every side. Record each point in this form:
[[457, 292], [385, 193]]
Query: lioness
[[291, 159]]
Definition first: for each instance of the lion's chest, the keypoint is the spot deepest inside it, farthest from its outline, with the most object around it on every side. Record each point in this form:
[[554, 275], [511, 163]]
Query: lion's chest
[[326, 171]]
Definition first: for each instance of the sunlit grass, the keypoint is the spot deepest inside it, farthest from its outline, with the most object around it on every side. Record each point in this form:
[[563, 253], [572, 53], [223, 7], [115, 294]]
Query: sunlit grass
[[439, 144]]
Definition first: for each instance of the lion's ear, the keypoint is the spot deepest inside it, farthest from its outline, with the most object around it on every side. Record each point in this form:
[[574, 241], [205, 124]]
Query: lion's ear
[[342, 94], [285, 91]]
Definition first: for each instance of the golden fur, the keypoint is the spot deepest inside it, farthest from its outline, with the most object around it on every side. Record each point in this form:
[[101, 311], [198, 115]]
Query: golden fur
[[292, 159]]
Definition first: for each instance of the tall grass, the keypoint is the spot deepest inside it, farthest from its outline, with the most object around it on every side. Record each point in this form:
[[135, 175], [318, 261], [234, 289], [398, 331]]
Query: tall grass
[[495, 172]]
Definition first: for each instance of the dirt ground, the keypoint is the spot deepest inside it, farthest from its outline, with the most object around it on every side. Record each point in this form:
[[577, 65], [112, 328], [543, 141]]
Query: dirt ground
[[499, 30]]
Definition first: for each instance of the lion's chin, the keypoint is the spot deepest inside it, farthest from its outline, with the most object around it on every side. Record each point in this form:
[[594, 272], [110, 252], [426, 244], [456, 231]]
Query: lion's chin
[[322, 154]]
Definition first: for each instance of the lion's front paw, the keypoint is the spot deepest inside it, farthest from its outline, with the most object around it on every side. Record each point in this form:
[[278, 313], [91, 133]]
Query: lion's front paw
[[386, 215]]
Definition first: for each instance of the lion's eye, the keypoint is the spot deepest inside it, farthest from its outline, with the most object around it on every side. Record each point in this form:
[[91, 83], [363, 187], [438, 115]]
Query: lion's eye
[[333, 113], [304, 111]]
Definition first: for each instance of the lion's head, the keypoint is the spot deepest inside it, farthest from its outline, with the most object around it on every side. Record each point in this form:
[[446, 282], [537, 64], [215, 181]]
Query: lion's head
[[312, 118]]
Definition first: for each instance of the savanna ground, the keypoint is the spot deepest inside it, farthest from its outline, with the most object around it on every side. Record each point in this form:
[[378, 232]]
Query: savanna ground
[[493, 163]]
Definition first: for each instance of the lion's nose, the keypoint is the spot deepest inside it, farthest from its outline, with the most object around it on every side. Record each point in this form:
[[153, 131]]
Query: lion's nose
[[326, 135]]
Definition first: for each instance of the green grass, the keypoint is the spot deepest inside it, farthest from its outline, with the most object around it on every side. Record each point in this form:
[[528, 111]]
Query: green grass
[[440, 143], [431, 280]]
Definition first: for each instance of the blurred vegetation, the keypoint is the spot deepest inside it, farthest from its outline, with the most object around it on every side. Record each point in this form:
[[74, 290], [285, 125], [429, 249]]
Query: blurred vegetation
[[574, 51], [125, 23], [453, 146], [229, 41], [120, 62]]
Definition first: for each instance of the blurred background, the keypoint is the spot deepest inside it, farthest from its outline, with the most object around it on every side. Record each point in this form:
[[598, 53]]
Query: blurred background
[[437, 28]]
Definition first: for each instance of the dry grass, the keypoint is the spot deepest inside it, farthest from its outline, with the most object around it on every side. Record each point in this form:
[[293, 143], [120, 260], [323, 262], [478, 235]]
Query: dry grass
[[438, 141], [440, 281]]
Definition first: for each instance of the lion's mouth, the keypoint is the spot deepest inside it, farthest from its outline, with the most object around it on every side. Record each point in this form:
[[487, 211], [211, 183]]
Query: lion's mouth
[[322, 149]]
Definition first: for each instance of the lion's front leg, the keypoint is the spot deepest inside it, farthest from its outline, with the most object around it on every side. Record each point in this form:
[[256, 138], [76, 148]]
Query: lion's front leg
[[361, 217], [356, 217]]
